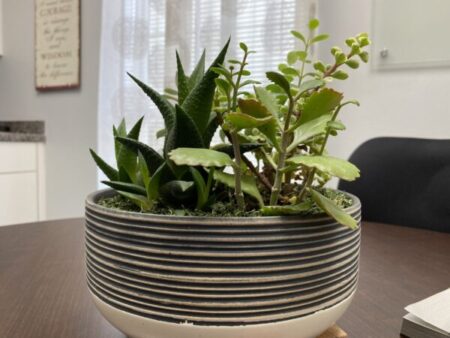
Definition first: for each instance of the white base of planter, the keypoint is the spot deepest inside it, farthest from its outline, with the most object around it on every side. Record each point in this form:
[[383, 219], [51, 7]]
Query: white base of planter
[[304, 327]]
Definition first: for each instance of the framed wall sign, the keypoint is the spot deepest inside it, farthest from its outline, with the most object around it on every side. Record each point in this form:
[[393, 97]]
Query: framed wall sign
[[57, 44]]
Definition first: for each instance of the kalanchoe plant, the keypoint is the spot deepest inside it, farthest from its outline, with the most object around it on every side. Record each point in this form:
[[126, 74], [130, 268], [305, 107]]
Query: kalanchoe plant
[[273, 159]]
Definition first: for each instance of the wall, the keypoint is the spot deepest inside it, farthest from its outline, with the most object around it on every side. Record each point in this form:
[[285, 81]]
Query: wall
[[408, 102], [70, 115]]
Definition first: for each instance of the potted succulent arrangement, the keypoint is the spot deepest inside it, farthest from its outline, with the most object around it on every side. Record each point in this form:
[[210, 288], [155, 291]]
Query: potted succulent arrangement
[[240, 238]]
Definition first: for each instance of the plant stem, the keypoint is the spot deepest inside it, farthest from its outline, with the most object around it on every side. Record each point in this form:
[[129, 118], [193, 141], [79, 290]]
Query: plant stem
[[238, 81], [312, 173], [237, 171], [263, 179], [235, 142], [276, 188]]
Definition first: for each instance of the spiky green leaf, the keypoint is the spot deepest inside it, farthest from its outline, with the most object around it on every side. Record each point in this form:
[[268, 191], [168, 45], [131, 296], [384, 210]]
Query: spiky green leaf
[[109, 171], [161, 133], [210, 130], [177, 192], [127, 159], [143, 170], [198, 72], [141, 201], [182, 81], [126, 187], [184, 132], [199, 102], [152, 158], [165, 108], [202, 189], [160, 176]]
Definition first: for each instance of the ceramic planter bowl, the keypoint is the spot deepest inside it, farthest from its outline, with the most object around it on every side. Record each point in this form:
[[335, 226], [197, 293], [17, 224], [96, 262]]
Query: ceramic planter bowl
[[167, 276]]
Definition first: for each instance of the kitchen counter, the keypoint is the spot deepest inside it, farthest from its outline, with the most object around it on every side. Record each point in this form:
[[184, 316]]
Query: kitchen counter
[[22, 131]]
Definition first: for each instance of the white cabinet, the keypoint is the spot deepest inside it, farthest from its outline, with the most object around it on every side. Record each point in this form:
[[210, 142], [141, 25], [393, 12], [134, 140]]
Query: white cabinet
[[22, 182]]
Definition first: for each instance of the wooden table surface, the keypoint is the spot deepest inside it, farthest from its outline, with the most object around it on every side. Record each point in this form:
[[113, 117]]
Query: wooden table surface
[[43, 293]]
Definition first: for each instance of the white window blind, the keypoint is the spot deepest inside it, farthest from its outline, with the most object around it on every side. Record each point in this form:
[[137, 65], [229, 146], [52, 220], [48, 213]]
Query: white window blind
[[140, 37]]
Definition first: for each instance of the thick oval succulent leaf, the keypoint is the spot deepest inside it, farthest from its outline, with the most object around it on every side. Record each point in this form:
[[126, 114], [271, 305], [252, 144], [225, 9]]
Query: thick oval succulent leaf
[[333, 210], [283, 210], [279, 80], [308, 130], [141, 201], [151, 156], [299, 36], [199, 102], [336, 125], [248, 184], [320, 103], [331, 165], [200, 157], [244, 147], [109, 171], [243, 121], [268, 100], [320, 37], [311, 84], [165, 108], [256, 109], [127, 187]]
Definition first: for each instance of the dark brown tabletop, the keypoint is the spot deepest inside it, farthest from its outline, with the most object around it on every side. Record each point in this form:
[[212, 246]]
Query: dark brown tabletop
[[43, 291]]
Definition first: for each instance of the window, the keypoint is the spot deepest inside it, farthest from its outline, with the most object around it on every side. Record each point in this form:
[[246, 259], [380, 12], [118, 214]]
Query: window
[[140, 37]]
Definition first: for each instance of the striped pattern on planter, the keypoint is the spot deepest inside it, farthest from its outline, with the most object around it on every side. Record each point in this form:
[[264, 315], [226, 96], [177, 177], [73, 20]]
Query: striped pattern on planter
[[219, 271]]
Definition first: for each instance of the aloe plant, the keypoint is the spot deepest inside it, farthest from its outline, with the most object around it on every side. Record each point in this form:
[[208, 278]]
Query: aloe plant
[[273, 157]]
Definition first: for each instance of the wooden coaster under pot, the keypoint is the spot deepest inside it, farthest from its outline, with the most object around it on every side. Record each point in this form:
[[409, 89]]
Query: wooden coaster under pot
[[334, 332]]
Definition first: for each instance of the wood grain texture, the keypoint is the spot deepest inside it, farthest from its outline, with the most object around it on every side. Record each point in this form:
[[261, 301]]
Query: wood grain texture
[[43, 291], [334, 332]]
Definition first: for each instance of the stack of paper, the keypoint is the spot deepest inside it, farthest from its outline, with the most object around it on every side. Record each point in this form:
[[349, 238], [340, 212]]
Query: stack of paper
[[429, 318]]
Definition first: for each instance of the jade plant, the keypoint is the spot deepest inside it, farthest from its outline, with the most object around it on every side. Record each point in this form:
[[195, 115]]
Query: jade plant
[[272, 159]]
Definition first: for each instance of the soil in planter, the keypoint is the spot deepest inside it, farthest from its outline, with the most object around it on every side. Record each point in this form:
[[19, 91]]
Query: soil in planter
[[226, 207]]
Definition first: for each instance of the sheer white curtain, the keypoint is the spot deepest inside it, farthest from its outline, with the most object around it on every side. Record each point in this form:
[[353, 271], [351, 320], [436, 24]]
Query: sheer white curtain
[[140, 37]]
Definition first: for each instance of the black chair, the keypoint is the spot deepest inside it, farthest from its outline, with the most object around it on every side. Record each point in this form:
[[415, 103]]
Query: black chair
[[404, 181]]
